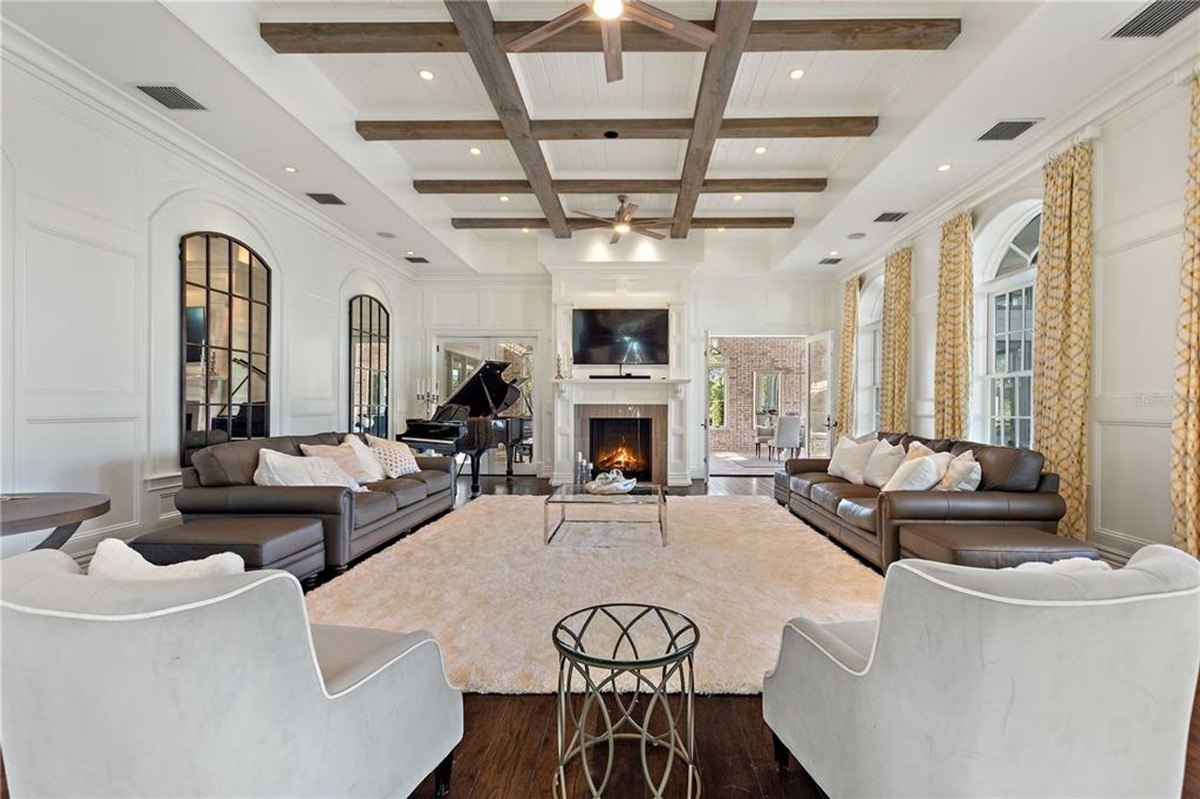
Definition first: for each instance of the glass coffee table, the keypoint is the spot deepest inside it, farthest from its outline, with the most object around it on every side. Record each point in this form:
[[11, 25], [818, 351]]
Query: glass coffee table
[[619, 666], [575, 495]]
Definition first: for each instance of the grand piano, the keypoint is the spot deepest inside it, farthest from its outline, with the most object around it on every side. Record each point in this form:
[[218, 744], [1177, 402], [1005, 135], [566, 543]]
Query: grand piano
[[470, 421]]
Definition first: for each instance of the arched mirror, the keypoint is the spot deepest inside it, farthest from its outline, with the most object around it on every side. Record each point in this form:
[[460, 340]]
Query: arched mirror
[[369, 366], [225, 342]]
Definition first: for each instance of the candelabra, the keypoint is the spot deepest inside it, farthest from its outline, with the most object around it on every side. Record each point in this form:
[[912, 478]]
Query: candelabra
[[428, 399]]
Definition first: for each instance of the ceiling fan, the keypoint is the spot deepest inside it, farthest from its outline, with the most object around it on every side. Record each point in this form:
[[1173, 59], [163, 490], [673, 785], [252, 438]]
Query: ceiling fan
[[610, 13], [623, 221]]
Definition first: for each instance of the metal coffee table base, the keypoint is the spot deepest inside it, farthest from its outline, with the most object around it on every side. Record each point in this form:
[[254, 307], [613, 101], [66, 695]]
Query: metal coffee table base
[[621, 718]]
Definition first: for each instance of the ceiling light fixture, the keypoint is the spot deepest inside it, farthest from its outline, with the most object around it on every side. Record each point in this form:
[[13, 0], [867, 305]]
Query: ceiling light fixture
[[503, 198], [408, 253], [796, 74], [622, 228], [759, 150], [290, 170], [737, 198], [944, 168], [833, 253], [720, 230], [608, 9], [475, 151], [425, 75], [524, 230]]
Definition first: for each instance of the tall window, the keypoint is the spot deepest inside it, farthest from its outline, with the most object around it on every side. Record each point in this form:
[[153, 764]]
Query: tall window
[[226, 342], [1010, 335], [717, 395], [369, 371], [869, 363]]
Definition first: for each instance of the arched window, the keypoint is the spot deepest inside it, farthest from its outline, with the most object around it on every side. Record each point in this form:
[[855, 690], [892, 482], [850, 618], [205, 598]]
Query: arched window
[[1009, 303], [868, 362], [370, 359], [225, 341]]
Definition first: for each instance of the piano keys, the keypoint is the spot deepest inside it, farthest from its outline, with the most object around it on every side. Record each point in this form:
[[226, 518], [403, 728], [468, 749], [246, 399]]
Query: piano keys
[[470, 422]]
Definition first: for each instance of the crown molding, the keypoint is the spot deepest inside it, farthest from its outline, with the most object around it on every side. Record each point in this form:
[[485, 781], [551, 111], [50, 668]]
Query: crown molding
[[1083, 123], [23, 50]]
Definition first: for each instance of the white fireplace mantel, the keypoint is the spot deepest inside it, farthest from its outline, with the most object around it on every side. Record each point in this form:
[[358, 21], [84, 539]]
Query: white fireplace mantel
[[671, 392]]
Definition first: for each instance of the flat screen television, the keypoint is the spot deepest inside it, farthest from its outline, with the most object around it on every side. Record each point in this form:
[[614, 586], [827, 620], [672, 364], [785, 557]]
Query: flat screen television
[[622, 335]]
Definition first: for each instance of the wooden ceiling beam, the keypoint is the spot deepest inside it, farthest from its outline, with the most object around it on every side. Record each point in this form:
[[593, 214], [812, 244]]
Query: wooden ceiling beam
[[765, 36], [705, 223], [623, 186], [477, 29], [732, 25], [577, 129]]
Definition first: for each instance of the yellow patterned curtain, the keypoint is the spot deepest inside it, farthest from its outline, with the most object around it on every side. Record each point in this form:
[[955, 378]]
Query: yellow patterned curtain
[[897, 311], [1062, 332], [1185, 432], [952, 361], [845, 412]]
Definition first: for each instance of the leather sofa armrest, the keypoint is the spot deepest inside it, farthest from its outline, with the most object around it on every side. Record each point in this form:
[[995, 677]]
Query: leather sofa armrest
[[999, 506], [1048, 483], [798, 465], [441, 463], [325, 500]]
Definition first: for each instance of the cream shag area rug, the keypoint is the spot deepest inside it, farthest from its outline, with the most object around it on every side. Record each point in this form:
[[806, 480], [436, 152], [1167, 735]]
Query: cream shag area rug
[[487, 587]]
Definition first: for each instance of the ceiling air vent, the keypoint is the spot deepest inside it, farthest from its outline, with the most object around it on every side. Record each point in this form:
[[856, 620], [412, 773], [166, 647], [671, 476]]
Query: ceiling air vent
[[173, 97], [1155, 19], [891, 216], [1007, 129], [416, 259], [830, 261], [326, 199]]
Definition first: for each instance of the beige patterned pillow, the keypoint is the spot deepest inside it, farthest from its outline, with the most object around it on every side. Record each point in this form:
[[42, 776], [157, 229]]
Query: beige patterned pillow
[[341, 454], [396, 457]]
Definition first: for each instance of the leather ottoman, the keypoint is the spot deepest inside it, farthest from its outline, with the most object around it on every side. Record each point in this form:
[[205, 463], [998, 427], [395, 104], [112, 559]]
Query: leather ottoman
[[988, 546], [293, 544]]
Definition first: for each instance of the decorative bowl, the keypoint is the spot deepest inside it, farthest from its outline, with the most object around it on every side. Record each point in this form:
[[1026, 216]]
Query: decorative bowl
[[613, 482]]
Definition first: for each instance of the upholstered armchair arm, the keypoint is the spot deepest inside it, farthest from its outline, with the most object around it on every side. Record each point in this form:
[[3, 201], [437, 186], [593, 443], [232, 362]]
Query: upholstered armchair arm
[[798, 465], [442, 463], [275, 500]]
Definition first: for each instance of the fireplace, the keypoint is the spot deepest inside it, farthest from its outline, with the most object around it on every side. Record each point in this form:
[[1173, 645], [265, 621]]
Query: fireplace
[[624, 444]]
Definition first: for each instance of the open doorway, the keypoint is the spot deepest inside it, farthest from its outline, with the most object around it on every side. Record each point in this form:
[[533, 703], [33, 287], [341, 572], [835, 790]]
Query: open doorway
[[757, 403]]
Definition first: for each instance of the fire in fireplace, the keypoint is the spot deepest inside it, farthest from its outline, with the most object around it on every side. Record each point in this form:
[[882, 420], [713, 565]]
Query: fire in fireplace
[[621, 444]]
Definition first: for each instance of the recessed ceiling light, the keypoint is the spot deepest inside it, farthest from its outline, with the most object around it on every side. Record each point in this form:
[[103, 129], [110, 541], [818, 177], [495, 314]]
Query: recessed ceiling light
[[290, 169], [944, 168], [408, 253], [383, 234], [759, 150], [524, 230], [425, 75], [737, 198], [475, 151], [833, 253], [503, 198], [856, 236], [796, 74], [720, 230]]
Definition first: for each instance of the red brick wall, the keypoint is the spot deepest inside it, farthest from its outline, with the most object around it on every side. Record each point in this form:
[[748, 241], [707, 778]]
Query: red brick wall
[[744, 357]]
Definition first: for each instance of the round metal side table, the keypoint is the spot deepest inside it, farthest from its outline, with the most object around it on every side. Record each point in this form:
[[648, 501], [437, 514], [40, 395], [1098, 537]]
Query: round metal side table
[[619, 666]]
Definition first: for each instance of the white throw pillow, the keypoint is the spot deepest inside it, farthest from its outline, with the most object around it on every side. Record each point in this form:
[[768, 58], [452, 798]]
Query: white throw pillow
[[396, 457], [963, 474], [115, 560], [368, 461], [919, 474], [850, 459], [918, 450], [341, 454], [278, 469], [882, 464], [1064, 566]]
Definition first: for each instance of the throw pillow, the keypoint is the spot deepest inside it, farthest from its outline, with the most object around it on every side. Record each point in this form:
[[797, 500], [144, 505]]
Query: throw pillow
[[918, 450], [963, 474], [367, 459], [341, 454], [850, 459], [278, 469], [395, 456], [918, 474], [882, 464], [1064, 566], [115, 560]]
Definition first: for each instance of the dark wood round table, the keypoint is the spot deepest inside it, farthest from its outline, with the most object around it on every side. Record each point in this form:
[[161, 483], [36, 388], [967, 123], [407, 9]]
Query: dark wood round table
[[24, 513]]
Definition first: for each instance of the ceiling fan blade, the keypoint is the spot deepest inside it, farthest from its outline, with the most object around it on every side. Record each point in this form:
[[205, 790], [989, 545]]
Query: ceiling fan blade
[[615, 238], [610, 36], [647, 232], [627, 211], [660, 222], [543, 32], [670, 24], [603, 219]]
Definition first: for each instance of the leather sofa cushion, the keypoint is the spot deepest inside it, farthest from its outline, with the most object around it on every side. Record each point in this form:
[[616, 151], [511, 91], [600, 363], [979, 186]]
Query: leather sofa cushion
[[434, 479], [802, 483], [988, 546], [405, 491], [233, 463], [1004, 468], [260, 540], [371, 506], [828, 495], [859, 511]]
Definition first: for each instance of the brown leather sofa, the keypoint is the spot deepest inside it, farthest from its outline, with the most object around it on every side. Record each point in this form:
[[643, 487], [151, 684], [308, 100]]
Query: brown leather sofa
[[220, 482], [1014, 490]]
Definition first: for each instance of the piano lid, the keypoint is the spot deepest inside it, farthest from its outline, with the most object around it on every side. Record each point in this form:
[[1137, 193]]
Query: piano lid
[[486, 392]]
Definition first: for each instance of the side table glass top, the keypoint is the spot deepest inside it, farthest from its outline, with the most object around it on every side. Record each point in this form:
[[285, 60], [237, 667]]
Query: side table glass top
[[625, 635]]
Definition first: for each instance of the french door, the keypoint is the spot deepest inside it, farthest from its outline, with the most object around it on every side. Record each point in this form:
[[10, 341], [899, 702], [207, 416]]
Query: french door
[[819, 353]]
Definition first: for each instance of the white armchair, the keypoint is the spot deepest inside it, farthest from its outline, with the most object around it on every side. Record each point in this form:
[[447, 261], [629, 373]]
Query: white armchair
[[979, 682], [209, 687]]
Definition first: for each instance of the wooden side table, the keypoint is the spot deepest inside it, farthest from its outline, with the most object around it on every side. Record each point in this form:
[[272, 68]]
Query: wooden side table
[[24, 513]]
